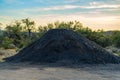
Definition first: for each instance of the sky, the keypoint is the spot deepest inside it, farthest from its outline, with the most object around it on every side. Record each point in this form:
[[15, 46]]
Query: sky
[[95, 14]]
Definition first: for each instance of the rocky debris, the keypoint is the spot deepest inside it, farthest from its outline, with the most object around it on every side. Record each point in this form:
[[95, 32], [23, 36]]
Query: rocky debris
[[60, 45], [112, 49]]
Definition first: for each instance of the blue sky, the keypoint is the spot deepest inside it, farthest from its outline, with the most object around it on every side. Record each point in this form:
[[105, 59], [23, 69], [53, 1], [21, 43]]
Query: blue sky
[[96, 14]]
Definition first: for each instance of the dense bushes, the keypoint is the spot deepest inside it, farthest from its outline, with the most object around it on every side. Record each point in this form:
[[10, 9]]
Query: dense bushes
[[21, 33], [116, 38], [7, 43]]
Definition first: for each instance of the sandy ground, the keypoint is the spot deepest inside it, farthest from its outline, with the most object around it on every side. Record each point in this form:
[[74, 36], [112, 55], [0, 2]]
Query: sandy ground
[[25, 71], [6, 53]]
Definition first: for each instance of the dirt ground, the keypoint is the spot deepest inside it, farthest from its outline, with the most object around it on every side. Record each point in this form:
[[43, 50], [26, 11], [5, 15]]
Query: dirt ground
[[25, 71], [6, 53]]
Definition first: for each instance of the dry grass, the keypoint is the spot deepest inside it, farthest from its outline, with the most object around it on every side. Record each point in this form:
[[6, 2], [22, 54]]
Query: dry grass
[[6, 53]]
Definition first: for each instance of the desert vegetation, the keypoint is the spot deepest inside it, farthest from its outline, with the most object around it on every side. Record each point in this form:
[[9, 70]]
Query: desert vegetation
[[21, 33]]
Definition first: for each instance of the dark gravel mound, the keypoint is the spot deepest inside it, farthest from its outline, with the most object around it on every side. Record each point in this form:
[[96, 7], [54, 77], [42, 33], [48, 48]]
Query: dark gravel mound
[[60, 45]]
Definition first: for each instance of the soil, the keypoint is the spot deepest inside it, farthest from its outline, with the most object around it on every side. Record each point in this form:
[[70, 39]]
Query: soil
[[26, 71]]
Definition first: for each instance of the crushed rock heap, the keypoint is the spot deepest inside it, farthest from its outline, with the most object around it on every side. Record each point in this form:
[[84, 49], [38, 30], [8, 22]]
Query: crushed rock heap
[[60, 45]]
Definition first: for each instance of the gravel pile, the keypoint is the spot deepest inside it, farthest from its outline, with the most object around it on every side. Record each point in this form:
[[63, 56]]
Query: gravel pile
[[60, 45]]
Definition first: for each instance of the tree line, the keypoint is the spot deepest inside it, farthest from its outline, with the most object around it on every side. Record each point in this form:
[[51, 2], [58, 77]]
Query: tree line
[[23, 32]]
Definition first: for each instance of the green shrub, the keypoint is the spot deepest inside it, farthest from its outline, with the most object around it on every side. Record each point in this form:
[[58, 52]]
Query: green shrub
[[16, 36], [116, 38], [7, 43], [97, 36]]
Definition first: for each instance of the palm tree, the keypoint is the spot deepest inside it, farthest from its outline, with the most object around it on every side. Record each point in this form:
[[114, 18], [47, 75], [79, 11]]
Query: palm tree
[[29, 25]]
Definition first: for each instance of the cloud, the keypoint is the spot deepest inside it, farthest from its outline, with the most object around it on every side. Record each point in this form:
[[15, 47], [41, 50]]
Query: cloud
[[53, 8], [60, 7], [103, 6], [65, 7]]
